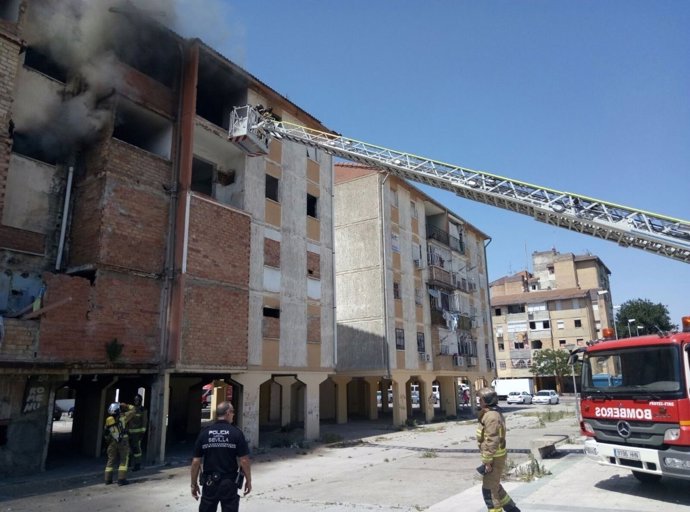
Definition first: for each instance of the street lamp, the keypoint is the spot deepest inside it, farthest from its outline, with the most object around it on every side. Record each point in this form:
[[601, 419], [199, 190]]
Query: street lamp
[[640, 328], [601, 294], [630, 320]]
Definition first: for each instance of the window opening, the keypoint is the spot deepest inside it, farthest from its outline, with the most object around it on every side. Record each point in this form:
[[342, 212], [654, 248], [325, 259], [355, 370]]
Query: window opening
[[312, 202], [272, 188], [399, 338], [271, 312], [202, 177]]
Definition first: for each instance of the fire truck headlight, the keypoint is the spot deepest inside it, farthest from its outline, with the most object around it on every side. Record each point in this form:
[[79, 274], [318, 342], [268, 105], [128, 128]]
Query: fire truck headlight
[[587, 428], [677, 463], [672, 434]]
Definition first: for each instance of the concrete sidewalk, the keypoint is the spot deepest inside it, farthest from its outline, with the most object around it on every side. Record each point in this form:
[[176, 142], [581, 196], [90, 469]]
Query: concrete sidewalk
[[376, 468]]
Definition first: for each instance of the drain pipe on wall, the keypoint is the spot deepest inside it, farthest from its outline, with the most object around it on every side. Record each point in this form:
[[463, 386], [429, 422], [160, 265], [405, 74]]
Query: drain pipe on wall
[[65, 215], [488, 296], [386, 352]]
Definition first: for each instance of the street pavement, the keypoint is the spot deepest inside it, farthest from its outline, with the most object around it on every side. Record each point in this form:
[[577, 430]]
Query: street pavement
[[375, 468]]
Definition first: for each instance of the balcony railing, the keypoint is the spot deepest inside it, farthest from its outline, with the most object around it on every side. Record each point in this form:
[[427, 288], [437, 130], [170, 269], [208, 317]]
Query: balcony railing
[[434, 233], [439, 276]]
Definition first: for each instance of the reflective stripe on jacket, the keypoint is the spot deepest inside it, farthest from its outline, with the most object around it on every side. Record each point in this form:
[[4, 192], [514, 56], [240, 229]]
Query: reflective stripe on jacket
[[491, 435]]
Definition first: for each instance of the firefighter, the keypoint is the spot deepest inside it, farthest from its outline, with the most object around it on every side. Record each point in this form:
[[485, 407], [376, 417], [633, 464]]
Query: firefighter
[[117, 440], [491, 436], [137, 428]]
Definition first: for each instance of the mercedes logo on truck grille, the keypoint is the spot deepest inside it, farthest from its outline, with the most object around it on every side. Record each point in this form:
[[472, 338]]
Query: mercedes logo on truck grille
[[623, 428]]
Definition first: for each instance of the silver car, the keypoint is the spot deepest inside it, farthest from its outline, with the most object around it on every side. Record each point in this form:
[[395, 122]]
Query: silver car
[[546, 396], [519, 397]]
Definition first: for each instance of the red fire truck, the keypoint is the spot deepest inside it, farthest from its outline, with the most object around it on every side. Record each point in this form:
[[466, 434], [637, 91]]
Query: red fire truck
[[635, 403]]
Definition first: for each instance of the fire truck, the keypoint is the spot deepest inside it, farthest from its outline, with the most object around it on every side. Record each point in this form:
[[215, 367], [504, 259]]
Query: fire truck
[[253, 127], [634, 403]]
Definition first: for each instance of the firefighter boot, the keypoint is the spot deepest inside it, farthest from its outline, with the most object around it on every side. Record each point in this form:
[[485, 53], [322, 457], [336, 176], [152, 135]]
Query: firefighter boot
[[123, 482], [108, 478]]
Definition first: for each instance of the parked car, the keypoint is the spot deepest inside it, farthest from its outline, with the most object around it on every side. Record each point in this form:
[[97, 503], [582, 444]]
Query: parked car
[[519, 397], [63, 405], [546, 396]]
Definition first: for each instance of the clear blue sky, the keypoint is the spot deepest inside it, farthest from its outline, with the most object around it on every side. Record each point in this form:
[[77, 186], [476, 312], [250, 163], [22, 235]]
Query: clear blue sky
[[591, 97]]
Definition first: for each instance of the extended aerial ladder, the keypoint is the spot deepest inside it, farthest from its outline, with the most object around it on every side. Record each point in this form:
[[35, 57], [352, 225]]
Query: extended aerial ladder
[[252, 129]]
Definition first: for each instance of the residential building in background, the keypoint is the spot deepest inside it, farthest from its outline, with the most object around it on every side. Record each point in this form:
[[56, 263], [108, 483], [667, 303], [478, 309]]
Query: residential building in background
[[562, 304], [412, 299]]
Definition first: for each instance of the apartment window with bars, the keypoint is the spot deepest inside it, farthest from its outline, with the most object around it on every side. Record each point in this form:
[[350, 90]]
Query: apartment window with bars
[[399, 338], [421, 346]]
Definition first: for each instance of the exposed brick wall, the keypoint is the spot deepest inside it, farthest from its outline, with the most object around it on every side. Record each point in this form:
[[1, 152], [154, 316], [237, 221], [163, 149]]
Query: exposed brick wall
[[21, 240], [215, 326], [20, 340], [9, 61], [85, 229], [314, 328], [271, 253], [219, 240], [117, 305], [136, 166], [271, 327], [313, 264], [121, 209], [135, 224], [146, 90]]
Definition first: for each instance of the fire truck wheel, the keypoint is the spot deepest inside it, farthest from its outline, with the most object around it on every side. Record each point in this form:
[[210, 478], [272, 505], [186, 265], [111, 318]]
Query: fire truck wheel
[[646, 478]]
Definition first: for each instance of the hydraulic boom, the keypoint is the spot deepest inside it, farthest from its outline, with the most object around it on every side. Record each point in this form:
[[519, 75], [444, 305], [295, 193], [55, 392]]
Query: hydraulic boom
[[252, 129]]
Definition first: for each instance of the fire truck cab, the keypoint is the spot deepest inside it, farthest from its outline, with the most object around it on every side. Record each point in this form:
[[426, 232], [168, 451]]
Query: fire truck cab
[[635, 405]]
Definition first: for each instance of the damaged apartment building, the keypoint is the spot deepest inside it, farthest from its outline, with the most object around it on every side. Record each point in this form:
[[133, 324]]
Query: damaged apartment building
[[142, 251]]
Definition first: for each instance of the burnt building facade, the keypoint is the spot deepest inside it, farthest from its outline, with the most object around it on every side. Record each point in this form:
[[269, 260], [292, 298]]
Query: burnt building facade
[[140, 250]]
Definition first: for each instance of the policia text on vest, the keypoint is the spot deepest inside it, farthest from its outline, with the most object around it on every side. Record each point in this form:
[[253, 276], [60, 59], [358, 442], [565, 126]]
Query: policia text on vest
[[225, 455]]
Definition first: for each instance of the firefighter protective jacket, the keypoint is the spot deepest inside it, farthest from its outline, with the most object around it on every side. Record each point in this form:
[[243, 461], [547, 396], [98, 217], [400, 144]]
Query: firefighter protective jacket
[[116, 426], [491, 435], [139, 421]]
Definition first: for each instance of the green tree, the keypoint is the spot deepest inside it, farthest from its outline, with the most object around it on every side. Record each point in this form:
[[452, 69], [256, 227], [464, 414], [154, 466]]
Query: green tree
[[551, 363], [643, 313]]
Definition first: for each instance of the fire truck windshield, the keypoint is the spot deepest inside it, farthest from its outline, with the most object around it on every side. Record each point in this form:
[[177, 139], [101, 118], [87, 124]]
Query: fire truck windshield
[[640, 371]]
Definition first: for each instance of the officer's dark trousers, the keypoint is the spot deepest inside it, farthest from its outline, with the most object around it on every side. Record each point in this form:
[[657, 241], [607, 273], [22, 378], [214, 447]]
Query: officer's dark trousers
[[223, 492]]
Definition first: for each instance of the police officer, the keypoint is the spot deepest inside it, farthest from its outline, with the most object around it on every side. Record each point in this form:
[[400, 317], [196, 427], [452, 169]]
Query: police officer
[[137, 430], [221, 446], [117, 438], [491, 436]]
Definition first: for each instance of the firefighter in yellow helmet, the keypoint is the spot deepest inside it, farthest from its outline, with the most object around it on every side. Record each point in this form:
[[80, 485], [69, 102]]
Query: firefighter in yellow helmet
[[117, 440], [491, 436], [137, 429]]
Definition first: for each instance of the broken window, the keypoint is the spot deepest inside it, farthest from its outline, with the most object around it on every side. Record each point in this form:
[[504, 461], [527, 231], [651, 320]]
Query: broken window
[[34, 146], [312, 202], [219, 89], [202, 177], [142, 128], [578, 323], [271, 312], [149, 49], [272, 188], [9, 10], [43, 64]]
